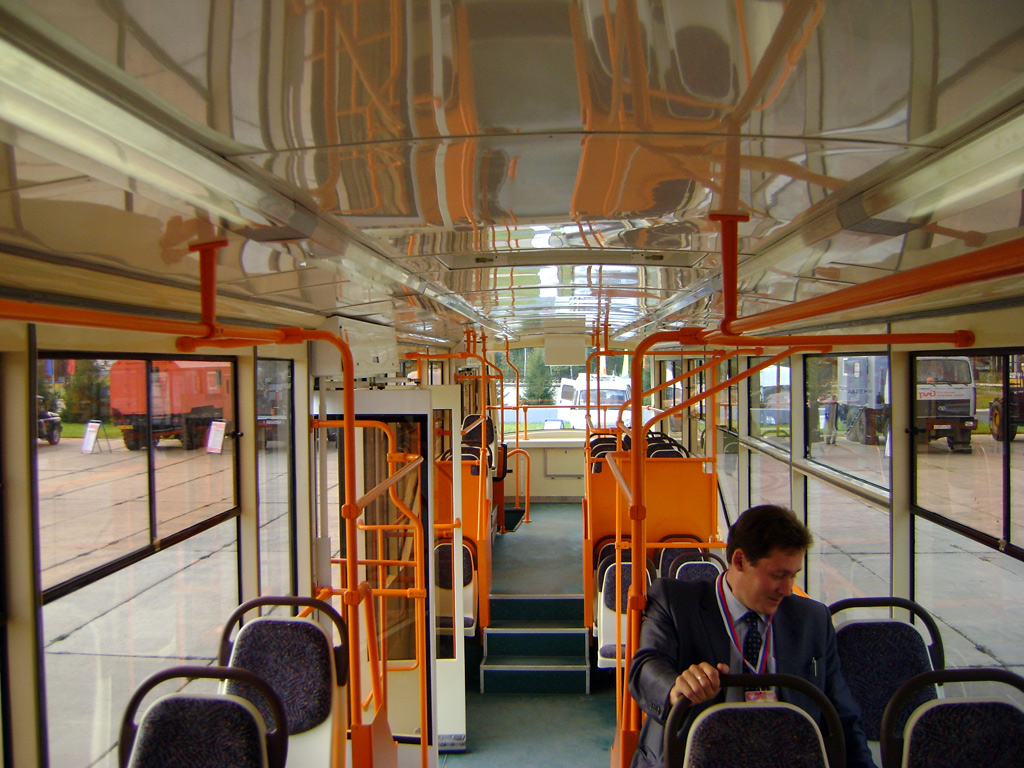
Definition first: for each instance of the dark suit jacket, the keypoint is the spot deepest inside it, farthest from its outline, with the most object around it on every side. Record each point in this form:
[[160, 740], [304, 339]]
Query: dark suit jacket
[[683, 626]]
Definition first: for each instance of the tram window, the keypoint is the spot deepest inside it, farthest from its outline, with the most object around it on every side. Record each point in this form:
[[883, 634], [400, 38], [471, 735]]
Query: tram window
[[95, 477], [850, 556], [103, 639], [964, 412], [769, 403], [769, 481], [671, 395], [728, 399], [275, 469], [980, 610], [848, 415]]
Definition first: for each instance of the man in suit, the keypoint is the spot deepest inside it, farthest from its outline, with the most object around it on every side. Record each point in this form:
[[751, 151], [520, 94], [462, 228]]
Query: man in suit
[[692, 632]]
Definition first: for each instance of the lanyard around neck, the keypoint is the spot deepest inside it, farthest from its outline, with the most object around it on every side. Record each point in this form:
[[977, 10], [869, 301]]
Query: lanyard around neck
[[734, 635]]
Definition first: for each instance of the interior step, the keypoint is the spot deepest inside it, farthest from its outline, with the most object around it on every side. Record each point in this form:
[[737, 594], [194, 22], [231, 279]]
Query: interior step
[[536, 638], [532, 608], [514, 518], [536, 644], [535, 674]]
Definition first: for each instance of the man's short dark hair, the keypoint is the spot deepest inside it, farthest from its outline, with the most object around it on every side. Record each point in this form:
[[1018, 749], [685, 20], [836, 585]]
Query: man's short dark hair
[[761, 529]]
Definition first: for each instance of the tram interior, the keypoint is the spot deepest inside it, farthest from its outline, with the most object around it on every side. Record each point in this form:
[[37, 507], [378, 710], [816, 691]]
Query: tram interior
[[290, 293]]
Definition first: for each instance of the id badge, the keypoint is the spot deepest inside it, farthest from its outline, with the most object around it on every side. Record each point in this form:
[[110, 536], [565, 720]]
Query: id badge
[[769, 695]]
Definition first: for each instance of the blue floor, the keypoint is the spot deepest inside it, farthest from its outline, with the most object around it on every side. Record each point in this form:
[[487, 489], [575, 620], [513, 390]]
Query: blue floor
[[540, 730], [543, 557]]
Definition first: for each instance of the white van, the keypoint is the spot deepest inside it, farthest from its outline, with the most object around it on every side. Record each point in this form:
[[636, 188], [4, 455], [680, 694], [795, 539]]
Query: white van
[[614, 391]]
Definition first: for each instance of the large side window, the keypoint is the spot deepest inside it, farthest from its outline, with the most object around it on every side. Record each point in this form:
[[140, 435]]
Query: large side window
[[132, 452], [769, 403], [848, 414], [275, 457], [967, 411], [136, 488]]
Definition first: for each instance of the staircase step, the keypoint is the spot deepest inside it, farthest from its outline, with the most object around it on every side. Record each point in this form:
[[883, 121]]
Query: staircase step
[[534, 674], [551, 638], [532, 608]]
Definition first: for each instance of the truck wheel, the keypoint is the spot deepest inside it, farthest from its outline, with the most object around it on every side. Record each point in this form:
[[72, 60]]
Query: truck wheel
[[193, 436], [964, 446], [995, 422], [132, 442]]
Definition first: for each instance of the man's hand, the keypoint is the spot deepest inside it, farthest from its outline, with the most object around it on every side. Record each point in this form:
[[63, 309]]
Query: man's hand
[[698, 683]]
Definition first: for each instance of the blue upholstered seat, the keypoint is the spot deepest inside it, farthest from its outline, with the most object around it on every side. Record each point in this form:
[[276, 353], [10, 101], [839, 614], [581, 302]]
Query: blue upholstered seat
[[695, 570], [297, 657], [294, 656], [760, 733], [950, 733], [955, 732], [443, 580], [197, 730], [608, 616], [774, 735], [879, 655]]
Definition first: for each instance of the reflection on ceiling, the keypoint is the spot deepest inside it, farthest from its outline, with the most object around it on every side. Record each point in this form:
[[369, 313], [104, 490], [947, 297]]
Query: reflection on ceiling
[[440, 163]]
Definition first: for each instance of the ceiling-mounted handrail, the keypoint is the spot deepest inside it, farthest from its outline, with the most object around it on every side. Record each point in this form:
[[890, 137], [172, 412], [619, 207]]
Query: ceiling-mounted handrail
[[989, 263]]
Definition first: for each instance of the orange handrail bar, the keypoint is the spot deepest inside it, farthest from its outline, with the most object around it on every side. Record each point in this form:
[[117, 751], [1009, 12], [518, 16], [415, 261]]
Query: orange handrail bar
[[520, 452], [989, 263]]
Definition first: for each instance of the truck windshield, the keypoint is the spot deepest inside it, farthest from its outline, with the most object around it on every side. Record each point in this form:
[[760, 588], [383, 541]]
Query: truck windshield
[[937, 371], [608, 396]]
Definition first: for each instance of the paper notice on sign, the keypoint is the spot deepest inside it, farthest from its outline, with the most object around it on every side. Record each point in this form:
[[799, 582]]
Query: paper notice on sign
[[92, 429], [215, 437]]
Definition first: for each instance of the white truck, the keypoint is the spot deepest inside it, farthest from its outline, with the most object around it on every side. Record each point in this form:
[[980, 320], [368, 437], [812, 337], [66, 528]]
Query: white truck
[[945, 403]]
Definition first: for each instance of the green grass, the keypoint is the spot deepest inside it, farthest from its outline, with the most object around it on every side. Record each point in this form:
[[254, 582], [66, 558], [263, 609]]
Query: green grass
[[71, 429]]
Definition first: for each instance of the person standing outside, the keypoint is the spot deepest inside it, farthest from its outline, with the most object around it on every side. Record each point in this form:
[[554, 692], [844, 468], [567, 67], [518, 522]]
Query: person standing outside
[[693, 632]]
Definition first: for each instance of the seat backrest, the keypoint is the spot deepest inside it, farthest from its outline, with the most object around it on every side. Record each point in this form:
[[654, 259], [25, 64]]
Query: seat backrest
[[472, 437], [955, 732], [695, 570], [879, 655], [961, 732], [202, 729], [772, 733], [669, 554], [443, 565], [443, 581], [785, 735], [294, 655]]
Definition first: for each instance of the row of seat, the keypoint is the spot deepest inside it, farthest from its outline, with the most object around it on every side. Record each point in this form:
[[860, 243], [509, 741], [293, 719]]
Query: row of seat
[[659, 445], [893, 670], [685, 563], [282, 700], [941, 733]]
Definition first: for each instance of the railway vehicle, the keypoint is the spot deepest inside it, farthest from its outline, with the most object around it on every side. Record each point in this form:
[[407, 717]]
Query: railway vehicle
[[359, 217]]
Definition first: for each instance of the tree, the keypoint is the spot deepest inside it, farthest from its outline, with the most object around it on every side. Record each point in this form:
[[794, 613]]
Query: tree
[[538, 379], [85, 393]]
